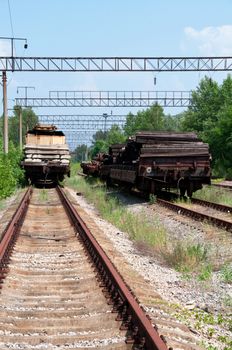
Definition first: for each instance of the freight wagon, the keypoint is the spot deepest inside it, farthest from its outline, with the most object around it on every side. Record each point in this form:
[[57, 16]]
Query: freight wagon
[[152, 161], [47, 158]]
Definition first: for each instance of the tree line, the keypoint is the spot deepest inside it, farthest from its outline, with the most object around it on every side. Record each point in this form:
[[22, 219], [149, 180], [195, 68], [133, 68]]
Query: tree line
[[210, 116]]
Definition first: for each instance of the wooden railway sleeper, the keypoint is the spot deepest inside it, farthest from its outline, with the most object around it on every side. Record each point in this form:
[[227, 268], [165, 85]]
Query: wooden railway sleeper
[[126, 305]]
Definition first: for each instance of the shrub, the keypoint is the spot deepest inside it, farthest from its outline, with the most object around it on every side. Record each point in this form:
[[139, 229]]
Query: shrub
[[11, 175]]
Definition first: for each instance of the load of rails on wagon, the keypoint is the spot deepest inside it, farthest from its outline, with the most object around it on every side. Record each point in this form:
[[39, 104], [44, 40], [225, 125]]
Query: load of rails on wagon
[[46, 155], [152, 161]]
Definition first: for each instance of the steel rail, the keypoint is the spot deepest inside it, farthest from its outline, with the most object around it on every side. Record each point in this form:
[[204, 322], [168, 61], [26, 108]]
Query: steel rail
[[130, 313], [227, 187], [11, 232], [227, 225], [220, 207]]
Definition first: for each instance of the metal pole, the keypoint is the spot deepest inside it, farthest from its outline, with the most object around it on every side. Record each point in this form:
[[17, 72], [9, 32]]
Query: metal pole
[[20, 129], [12, 53], [5, 116]]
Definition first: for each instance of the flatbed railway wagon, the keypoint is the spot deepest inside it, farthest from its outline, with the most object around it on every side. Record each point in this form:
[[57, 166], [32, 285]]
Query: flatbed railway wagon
[[152, 161], [47, 157]]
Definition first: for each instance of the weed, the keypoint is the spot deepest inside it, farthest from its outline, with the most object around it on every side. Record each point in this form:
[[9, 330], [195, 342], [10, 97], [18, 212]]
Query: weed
[[43, 195], [152, 198], [182, 201], [226, 273], [216, 195], [227, 301], [205, 273], [2, 204], [148, 232], [186, 258], [111, 209]]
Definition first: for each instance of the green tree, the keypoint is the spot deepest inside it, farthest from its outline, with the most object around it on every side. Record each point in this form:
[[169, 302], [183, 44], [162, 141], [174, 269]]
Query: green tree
[[29, 119], [205, 106], [80, 153], [115, 135], [99, 146], [149, 119], [100, 135], [211, 117]]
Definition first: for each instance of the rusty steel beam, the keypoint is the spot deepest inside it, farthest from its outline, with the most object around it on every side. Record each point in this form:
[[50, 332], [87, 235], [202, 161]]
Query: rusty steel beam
[[116, 64], [130, 312]]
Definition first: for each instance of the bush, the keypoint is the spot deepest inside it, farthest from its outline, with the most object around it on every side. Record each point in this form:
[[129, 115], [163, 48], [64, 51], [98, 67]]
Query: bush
[[11, 175]]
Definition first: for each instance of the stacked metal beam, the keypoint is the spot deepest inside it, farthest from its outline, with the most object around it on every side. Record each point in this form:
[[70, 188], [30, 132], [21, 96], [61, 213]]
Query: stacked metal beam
[[172, 144]]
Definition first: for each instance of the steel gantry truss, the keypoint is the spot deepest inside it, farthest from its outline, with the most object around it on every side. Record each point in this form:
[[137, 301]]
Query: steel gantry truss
[[115, 64], [80, 128], [109, 99], [88, 122]]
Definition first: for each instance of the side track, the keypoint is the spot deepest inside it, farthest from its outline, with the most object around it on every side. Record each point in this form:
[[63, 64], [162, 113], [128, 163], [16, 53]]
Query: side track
[[51, 298], [222, 223]]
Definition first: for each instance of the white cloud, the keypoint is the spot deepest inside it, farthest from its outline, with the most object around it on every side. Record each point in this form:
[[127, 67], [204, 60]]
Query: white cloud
[[210, 40]]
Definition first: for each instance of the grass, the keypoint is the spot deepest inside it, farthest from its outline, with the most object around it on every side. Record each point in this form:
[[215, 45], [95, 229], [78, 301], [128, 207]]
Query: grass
[[111, 209], [152, 199], [2, 204], [216, 195], [226, 273], [43, 195], [210, 324], [205, 273], [186, 257], [147, 232]]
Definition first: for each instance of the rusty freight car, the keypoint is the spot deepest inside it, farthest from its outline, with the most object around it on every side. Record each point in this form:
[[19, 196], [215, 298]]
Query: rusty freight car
[[152, 161], [47, 158]]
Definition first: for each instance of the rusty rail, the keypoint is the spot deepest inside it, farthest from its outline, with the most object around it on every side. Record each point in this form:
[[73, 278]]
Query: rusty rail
[[11, 232], [227, 225], [217, 206], [227, 187], [220, 207], [140, 329]]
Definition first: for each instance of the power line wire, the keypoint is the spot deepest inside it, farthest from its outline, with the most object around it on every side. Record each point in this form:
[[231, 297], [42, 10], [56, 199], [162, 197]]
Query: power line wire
[[11, 23]]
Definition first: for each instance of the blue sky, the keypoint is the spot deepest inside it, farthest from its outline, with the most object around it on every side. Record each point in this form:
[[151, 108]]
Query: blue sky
[[114, 28]]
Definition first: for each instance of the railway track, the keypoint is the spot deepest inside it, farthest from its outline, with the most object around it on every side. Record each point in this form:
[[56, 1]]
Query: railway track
[[224, 221], [58, 287], [227, 187], [199, 213]]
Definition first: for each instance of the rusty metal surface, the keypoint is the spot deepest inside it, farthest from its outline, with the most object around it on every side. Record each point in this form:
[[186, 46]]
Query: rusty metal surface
[[220, 207], [227, 225], [222, 186], [217, 206], [10, 234], [130, 313]]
